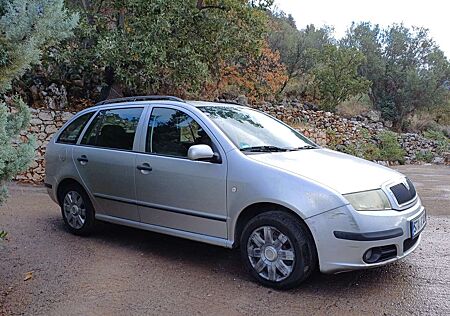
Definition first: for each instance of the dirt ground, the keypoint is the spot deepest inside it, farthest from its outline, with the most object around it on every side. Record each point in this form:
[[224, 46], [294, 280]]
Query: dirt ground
[[120, 271]]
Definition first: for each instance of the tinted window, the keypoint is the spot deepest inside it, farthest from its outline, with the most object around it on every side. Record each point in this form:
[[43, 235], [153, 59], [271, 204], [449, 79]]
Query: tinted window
[[113, 129], [72, 132], [172, 132]]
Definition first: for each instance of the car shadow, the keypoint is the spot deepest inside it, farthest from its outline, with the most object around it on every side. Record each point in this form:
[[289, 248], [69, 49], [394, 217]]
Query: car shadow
[[224, 261]]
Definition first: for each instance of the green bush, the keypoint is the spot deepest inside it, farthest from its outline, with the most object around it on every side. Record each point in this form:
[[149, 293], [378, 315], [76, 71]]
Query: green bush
[[439, 136], [425, 156], [387, 149], [390, 149]]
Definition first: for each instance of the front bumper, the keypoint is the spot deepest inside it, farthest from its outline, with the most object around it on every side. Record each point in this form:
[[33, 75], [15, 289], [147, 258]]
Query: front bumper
[[343, 235]]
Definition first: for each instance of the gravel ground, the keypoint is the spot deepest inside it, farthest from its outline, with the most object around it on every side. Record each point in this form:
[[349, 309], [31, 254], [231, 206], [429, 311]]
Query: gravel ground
[[121, 270]]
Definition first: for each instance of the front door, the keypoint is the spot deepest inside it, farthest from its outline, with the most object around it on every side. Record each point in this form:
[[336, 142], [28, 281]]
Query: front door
[[106, 162], [173, 191]]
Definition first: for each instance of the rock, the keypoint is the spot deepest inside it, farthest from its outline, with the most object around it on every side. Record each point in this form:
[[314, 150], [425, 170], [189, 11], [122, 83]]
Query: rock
[[438, 160], [388, 124], [51, 129], [35, 121], [56, 97], [373, 115], [65, 116], [45, 116]]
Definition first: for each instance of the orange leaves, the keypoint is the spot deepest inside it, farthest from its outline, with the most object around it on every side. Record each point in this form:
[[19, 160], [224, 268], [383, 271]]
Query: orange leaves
[[260, 77]]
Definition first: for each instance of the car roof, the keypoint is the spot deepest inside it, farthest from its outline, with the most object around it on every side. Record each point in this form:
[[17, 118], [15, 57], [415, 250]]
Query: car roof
[[200, 104], [148, 100]]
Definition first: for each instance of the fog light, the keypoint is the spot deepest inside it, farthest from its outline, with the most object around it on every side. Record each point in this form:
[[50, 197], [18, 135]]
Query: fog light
[[372, 255], [367, 255]]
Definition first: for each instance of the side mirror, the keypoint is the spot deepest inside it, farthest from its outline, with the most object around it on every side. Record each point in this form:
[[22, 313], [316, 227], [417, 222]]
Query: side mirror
[[200, 152]]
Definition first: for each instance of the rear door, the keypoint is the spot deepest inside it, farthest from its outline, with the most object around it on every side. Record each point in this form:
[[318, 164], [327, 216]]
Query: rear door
[[173, 191], [105, 160]]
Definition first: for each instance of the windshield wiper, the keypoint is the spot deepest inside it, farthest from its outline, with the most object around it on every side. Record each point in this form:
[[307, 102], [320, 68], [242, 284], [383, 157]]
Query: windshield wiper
[[303, 147], [264, 149]]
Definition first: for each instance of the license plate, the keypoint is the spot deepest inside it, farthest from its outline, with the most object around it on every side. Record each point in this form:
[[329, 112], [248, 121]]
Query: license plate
[[418, 224]]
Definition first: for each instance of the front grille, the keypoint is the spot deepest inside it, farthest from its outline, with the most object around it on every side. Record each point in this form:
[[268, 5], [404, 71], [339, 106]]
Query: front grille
[[408, 243], [402, 193]]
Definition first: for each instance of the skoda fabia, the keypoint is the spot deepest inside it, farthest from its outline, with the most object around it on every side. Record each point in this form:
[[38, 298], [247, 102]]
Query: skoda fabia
[[231, 176]]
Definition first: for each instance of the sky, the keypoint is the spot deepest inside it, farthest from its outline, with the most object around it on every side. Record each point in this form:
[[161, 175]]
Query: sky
[[431, 14]]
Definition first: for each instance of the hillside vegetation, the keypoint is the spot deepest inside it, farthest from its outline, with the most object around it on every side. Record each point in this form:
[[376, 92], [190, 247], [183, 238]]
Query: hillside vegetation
[[58, 54], [207, 49]]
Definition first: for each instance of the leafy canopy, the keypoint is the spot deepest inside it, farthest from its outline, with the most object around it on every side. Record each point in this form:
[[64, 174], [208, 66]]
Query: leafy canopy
[[160, 46], [407, 69]]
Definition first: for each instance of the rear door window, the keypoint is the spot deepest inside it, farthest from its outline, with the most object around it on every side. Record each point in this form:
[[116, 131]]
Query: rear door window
[[71, 133], [114, 128]]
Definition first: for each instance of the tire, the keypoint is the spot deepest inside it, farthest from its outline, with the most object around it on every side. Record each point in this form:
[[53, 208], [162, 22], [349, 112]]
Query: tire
[[285, 259], [79, 220]]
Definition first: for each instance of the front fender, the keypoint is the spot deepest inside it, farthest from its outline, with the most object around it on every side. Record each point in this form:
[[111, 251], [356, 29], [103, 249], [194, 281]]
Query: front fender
[[250, 182]]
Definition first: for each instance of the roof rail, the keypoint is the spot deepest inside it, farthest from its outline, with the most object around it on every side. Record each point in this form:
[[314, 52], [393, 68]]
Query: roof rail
[[141, 98], [230, 102]]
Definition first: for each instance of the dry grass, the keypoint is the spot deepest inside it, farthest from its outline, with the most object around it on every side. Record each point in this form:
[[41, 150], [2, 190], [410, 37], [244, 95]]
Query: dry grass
[[355, 106]]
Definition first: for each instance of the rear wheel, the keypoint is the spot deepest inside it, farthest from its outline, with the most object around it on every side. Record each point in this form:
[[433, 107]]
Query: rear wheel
[[278, 249], [77, 210]]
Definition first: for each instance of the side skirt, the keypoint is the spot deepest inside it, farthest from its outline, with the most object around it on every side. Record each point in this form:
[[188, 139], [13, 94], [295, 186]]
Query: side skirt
[[165, 230]]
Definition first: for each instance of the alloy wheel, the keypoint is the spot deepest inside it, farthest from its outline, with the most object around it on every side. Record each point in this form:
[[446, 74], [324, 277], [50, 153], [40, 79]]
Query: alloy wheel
[[74, 209], [271, 253]]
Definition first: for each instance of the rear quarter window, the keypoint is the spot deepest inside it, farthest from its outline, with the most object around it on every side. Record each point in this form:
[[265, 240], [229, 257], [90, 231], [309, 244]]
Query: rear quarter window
[[71, 133]]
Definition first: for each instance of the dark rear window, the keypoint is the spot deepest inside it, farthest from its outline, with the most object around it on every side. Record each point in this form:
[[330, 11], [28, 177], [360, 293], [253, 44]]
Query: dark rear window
[[114, 128], [71, 133]]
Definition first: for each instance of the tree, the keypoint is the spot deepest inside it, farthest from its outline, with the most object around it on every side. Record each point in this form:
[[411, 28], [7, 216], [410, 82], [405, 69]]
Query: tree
[[297, 48], [259, 77], [26, 28], [336, 75], [407, 69], [178, 46]]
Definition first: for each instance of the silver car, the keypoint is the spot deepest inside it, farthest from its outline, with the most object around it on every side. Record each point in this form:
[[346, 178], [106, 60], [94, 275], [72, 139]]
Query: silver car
[[231, 176]]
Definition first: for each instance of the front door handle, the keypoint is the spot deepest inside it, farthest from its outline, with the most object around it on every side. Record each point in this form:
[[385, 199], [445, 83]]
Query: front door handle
[[144, 168], [83, 159]]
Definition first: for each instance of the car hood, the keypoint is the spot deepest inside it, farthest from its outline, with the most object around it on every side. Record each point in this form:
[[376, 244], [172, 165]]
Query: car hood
[[341, 172]]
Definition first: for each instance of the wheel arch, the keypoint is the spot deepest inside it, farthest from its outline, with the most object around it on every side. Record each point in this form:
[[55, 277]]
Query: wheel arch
[[258, 208], [63, 184]]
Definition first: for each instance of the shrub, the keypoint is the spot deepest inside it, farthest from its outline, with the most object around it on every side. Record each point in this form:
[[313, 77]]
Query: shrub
[[442, 140], [390, 149], [27, 28], [387, 149], [425, 156]]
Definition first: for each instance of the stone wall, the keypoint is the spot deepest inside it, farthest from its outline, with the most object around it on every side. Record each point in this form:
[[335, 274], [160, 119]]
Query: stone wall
[[44, 123], [329, 129], [325, 128]]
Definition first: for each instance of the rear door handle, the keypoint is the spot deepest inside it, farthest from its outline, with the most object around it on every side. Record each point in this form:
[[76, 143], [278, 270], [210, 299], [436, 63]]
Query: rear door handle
[[144, 168], [83, 159]]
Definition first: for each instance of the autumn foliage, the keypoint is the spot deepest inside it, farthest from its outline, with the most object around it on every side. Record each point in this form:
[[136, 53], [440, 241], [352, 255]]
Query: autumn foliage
[[259, 78]]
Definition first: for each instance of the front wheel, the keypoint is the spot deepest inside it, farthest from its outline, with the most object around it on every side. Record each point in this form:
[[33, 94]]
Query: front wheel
[[278, 249]]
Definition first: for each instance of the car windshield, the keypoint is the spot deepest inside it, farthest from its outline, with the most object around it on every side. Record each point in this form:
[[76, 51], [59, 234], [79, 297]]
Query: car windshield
[[255, 131]]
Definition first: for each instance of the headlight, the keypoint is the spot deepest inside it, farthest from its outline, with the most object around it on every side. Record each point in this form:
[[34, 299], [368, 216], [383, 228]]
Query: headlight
[[375, 200]]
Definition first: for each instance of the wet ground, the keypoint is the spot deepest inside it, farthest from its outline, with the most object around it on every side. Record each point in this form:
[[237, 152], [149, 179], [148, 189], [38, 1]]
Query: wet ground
[[120, 270]]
